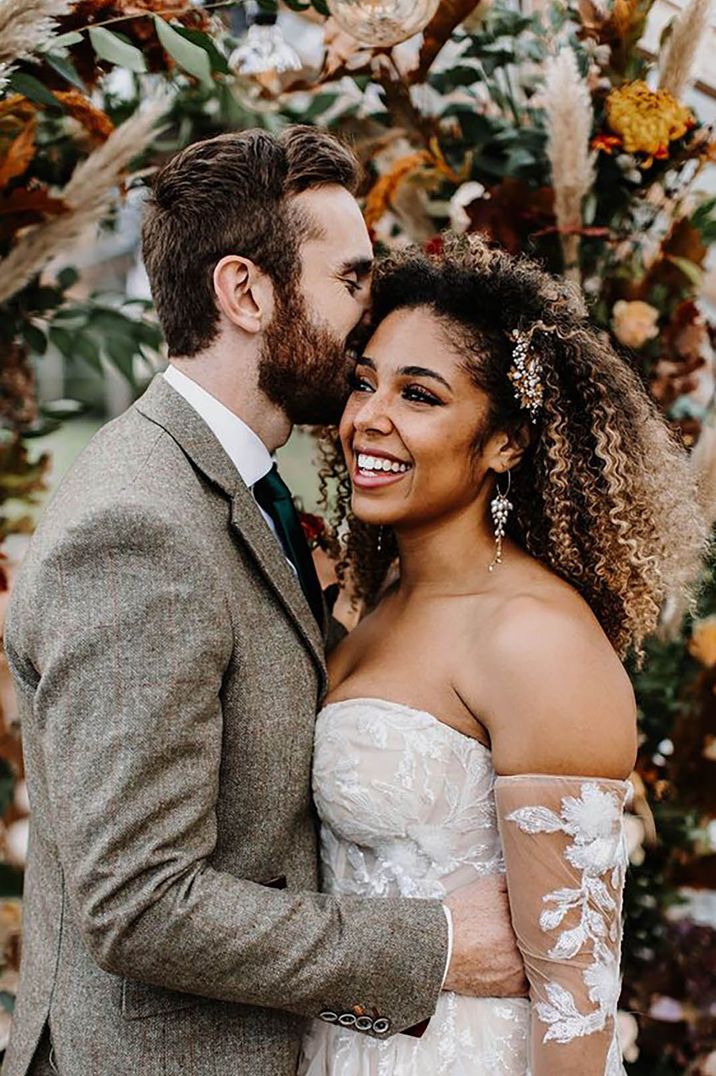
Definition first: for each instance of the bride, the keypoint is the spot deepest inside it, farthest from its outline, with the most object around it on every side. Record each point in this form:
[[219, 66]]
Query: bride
[[480, 719]]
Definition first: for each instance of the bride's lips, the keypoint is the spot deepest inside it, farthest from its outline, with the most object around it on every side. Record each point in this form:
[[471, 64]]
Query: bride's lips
[[373, 478]]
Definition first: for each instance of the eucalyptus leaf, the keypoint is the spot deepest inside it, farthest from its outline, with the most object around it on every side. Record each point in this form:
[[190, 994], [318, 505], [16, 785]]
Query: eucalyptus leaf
[[67, 277], [203, 41], [87, 348], [10, 881], [121, 350], [63, 340], [114, 50], [190, 57], [65, 408], [64, 67], [40, 428], [7, 785], [73, 37], [319, 104], [34, 338], [33, 89]]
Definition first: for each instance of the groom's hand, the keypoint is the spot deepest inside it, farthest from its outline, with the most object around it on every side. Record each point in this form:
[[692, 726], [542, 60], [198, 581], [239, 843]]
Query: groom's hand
[[485, 960]]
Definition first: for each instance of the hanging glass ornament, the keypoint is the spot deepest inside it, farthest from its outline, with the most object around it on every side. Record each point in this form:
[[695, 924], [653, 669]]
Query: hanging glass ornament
[[264, 49], [382, 23]]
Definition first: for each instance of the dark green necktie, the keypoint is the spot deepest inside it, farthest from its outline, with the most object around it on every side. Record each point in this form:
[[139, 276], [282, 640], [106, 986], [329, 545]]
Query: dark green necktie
[[274, 496]]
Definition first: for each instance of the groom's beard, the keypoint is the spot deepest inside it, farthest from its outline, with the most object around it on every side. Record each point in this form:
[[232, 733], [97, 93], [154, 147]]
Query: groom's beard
[[304, 367]]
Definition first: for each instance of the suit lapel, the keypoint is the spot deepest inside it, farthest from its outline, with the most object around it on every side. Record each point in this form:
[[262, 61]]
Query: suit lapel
[[166, 407]]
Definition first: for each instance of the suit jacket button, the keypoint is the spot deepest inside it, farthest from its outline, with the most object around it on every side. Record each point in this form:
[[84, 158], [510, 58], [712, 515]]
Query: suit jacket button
[[381, 1026], [364, 1023], [347, 1019], [329, 1017]]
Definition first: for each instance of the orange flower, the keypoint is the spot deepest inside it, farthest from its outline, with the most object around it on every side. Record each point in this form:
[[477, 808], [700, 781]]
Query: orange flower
[[97, 123], [702, 644], [645, 120], [606, 143]]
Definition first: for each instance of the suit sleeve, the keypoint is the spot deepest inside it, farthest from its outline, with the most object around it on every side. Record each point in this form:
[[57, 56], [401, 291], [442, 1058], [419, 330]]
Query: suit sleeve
[[565, 856], [128, 642]]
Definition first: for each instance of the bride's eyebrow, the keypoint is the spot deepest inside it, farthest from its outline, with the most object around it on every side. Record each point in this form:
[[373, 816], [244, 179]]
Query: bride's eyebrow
[[423, 371], [408, 371]]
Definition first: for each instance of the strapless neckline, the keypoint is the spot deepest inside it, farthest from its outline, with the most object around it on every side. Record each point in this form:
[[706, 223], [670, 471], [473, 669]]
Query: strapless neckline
[[390, 704]]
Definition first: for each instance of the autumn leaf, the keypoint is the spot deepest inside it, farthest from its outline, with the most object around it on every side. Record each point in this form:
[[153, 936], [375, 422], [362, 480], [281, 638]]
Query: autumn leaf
[[19, 154], [383, 191], [96, 122], [22, 207], [17, 107], [36, 201]]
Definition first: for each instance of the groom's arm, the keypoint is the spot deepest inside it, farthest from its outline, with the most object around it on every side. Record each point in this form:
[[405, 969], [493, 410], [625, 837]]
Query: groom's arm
[[133, 643]]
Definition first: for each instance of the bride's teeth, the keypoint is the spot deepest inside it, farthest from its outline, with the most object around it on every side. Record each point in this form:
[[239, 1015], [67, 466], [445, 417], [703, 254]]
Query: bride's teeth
[[381, 464]]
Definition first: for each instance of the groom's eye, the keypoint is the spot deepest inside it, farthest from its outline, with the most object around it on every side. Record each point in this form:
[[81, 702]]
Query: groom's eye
[[353, 286]]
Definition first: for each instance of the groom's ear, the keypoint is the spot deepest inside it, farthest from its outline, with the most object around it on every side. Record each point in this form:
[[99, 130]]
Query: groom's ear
[[243, 292]]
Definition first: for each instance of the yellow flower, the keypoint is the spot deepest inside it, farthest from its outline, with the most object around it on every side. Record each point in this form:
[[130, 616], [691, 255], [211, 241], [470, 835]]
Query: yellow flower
[[702, 644], [634, 322], [646, 120]]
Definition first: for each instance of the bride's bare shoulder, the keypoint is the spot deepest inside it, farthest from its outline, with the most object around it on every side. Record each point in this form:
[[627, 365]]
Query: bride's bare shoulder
[[554, 693]]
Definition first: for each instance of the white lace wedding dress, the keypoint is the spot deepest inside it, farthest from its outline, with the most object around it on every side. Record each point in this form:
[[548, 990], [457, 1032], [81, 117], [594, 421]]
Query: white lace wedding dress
[[410, 806]]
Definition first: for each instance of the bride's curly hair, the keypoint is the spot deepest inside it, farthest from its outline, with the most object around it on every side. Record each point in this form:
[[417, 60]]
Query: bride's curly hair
[[604, 495]]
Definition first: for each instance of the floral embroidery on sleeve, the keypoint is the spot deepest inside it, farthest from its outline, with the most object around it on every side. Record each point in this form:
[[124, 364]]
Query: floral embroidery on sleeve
[[597, 850]]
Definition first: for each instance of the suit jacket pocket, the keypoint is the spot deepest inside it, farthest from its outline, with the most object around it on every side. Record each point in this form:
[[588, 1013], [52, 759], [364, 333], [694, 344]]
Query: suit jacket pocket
[[140, 1000]]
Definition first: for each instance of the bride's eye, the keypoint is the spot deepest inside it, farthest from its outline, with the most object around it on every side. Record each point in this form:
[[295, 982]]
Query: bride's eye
[[417, 394], [359, 384]]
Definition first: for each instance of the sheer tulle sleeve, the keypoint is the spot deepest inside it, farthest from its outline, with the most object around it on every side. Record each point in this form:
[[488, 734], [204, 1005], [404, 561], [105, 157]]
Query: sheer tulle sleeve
[[565, 854]]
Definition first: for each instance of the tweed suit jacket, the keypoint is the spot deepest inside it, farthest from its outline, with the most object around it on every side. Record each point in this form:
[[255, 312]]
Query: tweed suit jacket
[[168, 671]]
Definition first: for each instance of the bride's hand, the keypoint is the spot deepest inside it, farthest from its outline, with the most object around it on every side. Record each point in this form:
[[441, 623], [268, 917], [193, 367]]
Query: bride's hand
[[485, 959]]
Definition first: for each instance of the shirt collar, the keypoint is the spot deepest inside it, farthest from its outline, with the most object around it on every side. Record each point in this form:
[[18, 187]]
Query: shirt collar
[[244, 448]]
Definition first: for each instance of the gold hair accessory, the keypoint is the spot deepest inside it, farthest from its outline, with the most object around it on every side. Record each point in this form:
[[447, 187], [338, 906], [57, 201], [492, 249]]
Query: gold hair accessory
[[526, 372]]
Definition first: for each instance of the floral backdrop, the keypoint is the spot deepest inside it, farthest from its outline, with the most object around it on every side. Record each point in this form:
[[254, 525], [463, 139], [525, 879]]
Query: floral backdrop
[[548, 126]]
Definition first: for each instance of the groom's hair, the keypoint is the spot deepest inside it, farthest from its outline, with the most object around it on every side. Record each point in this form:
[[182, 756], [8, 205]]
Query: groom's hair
[[231, 195]]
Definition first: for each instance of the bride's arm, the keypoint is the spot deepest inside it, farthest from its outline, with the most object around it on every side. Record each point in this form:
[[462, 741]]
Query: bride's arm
[[565, 856], [562, 723]]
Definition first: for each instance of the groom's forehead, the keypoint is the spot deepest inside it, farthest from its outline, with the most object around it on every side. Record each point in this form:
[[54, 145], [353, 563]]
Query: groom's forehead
[[338, 230]]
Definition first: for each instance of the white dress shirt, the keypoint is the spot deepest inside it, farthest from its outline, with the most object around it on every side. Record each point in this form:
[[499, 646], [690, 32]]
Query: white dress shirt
[[252, 460], [244, 448]]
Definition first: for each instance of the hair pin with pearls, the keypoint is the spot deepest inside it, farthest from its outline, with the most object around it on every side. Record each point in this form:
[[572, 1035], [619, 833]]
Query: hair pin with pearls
[[526, 373]]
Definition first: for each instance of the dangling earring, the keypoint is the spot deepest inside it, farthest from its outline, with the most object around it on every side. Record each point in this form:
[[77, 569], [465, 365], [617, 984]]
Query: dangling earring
[[500, 507]]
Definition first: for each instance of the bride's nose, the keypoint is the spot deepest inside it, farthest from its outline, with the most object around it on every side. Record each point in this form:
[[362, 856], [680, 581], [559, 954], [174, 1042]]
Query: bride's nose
[[373, 416]]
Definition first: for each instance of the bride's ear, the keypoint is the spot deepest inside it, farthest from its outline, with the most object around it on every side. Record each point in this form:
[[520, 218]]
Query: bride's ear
[[244, 293], [508, 449]]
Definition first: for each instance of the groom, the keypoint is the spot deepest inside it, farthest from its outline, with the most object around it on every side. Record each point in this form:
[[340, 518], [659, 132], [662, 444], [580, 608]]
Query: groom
[[166, 635]]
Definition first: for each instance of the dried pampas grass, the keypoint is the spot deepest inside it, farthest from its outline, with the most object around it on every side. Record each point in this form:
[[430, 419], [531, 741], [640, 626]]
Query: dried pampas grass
[[25, 25], [570, 117], [88, 196], [703, 463], [686, 35]]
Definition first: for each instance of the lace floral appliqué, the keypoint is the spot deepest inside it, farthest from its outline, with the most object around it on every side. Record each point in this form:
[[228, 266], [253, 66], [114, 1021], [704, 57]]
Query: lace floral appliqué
[[597, 850]]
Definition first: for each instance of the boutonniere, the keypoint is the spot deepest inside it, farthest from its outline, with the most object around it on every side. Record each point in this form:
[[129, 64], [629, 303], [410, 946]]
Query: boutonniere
[[315, 530]]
